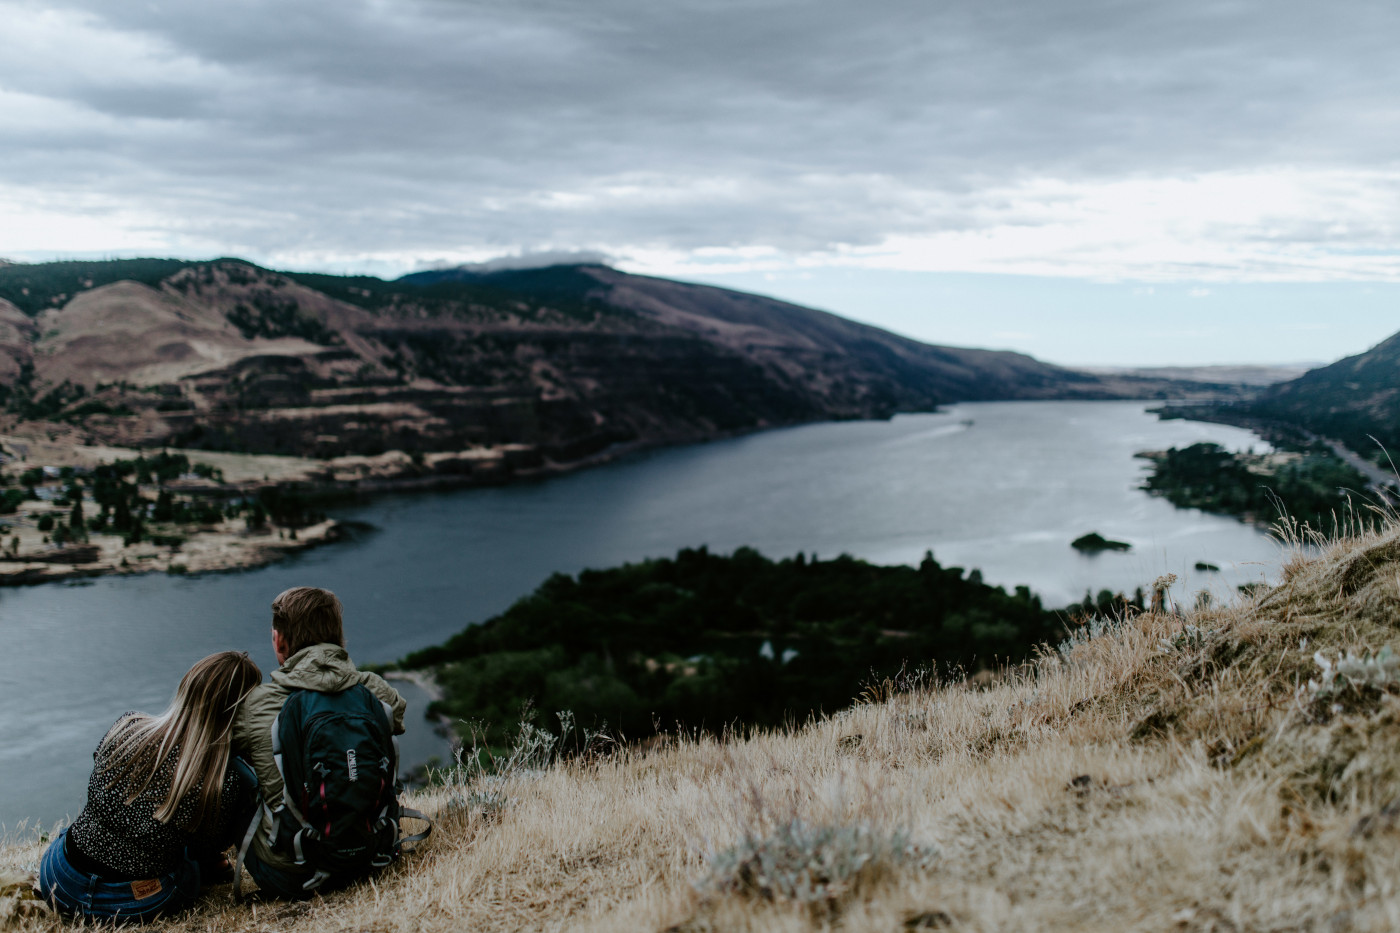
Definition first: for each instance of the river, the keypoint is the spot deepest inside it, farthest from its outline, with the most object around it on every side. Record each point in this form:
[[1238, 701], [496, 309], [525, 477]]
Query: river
[[1000, 486]]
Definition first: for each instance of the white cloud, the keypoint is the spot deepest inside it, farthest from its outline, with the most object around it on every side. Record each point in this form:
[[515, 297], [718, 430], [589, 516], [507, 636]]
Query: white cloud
[[1244, 142], [1235, 226], [60, 223]]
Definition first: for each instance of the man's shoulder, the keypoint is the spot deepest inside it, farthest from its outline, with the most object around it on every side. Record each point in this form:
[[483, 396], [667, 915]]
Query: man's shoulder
[[380, 688], [259, 707], [378, 684], [264, 694]]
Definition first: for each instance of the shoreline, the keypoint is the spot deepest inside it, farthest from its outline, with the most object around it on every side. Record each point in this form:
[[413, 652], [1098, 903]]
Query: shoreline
[[1283, 436], [229, 547], [29, 558], [424, 680], [219, 551]]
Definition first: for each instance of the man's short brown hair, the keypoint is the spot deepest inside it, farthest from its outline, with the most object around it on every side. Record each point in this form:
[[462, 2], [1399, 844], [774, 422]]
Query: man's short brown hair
[[306, 616]]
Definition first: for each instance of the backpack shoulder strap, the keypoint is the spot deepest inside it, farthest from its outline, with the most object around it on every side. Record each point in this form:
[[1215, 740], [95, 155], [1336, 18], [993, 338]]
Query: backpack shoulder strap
[[288, 799], [416, 815], [243, 847]]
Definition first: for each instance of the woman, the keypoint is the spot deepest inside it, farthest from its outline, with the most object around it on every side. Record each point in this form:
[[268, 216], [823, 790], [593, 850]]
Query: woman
[[165, 799]]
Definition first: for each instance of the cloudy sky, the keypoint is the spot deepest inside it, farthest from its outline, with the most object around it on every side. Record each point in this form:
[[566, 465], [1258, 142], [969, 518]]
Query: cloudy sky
[[1093, 181]]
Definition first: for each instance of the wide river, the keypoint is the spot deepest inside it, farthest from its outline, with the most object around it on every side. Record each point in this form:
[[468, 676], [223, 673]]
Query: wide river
[[1001, 486]]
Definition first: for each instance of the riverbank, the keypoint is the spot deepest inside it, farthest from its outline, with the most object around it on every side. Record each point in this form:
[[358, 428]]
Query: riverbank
[[71, 511], [443, 724], [41, 477], [1379, 472], [212, 549]]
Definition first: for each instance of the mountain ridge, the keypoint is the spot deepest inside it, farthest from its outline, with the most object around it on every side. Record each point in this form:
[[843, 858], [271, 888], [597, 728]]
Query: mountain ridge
[[560, 363]]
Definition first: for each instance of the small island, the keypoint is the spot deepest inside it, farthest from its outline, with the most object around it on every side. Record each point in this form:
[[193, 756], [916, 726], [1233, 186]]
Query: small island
[[1093, 543]]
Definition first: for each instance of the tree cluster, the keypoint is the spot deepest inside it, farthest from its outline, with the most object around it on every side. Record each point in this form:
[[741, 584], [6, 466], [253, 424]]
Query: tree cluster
[[108, 499], [1314, 488], [705, 640]]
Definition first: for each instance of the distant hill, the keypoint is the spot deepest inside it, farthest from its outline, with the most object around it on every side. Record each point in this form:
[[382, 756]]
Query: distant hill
[[1353, 400], [1240, 374], [557, 364]]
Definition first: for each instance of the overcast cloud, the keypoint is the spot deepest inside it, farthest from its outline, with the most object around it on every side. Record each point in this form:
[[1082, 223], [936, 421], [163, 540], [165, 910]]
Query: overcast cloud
[[1160, 141]]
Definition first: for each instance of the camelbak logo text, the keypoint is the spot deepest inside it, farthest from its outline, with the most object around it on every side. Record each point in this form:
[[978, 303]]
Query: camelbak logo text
[[354, 768]]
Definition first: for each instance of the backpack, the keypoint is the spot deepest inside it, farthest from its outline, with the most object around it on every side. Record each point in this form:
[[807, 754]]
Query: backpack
[[339, 762]]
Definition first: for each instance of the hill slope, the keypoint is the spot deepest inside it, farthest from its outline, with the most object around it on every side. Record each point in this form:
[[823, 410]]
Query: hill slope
[[1351, 400], [795, 341], [1169, 772], [538, 367]]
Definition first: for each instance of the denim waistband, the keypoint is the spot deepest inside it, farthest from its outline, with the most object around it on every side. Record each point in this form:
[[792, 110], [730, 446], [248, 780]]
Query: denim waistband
[[77, 892]]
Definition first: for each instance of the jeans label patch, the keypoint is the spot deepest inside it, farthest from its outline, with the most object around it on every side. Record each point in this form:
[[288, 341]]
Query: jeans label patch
[[144, 889]]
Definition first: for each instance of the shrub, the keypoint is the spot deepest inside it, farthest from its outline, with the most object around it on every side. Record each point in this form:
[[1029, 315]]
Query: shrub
[[1353, 673], [1095, 627], [1190, 638], [811, 864], [480, 775]]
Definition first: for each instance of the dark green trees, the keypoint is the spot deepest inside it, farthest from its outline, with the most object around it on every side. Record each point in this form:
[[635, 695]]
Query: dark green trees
[[707, 640]]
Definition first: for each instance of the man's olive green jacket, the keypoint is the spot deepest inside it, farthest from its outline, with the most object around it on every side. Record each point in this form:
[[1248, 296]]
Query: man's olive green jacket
[[325, 668]]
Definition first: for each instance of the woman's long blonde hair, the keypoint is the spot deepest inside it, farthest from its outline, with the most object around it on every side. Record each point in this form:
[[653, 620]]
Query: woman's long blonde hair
[[198, 722]]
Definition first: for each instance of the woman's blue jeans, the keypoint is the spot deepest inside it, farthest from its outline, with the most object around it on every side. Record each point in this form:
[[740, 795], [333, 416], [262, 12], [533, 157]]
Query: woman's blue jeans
[[75, 892]]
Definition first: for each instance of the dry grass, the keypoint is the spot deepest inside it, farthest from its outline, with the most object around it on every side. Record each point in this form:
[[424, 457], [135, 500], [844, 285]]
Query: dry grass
[[38, 450], [1174, 773]]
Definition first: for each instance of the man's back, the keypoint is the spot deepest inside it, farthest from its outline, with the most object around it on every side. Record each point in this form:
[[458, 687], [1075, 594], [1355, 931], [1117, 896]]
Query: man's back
[[324, 668]]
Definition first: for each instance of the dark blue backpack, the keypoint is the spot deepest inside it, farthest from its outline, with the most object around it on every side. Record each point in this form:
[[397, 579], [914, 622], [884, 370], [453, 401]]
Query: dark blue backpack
[[339, 763]]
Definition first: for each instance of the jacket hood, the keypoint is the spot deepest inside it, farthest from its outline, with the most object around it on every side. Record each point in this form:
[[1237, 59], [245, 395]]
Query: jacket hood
[[325, 668]]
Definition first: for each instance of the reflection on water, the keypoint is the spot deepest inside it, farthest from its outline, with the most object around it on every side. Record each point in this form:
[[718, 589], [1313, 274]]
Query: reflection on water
[[1003, 487]]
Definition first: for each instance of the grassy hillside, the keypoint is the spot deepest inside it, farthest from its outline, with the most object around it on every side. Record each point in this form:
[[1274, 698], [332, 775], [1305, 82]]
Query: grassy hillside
[[1213, 771], [1353, 400]]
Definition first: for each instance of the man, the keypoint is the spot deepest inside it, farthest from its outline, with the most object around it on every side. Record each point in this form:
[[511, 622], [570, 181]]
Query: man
[[308, 638]]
